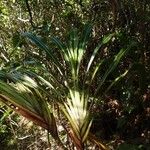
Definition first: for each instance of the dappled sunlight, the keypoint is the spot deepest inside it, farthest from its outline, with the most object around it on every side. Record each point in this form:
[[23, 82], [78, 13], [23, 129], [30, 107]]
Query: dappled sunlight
[[77, 114], [21, 88], [79, 70], [78, 105], [29, 81]]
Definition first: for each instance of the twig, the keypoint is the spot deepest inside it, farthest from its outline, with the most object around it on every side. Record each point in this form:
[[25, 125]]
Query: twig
[[30, 14]]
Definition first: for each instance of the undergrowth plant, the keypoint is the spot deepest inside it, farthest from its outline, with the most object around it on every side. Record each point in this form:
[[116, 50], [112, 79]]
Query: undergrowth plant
[[64, 84]]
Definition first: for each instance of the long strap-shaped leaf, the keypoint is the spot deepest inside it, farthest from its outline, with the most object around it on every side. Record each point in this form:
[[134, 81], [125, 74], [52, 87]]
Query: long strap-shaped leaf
[[76, 112], [105, 40], [45, 48], [31, 106], [113, 65], [24, 112]]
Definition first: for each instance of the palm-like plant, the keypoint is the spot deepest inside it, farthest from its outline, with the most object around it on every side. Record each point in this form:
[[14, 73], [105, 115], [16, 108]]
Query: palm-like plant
[[23, 96], [70, 93]]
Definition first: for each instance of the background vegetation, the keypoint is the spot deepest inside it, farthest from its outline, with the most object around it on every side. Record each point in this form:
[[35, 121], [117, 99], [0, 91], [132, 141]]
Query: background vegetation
[[58, 56]]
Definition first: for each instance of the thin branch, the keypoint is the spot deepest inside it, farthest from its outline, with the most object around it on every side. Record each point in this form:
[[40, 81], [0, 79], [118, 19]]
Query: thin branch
[[30, 14]]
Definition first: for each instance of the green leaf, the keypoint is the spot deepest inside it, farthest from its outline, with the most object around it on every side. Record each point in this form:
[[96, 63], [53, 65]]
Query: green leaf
[[116, 80], [29, 103], [114, 64], [45, 48], [104, 41], [107, 38]]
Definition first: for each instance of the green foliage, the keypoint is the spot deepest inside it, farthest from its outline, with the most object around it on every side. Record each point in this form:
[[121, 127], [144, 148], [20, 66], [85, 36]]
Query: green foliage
[[77, 96], [130, 147], [104, 68], [7, 123]]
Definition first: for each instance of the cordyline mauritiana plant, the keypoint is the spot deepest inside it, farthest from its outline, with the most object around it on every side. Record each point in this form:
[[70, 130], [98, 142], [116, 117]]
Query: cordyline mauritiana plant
[[24, 91]]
